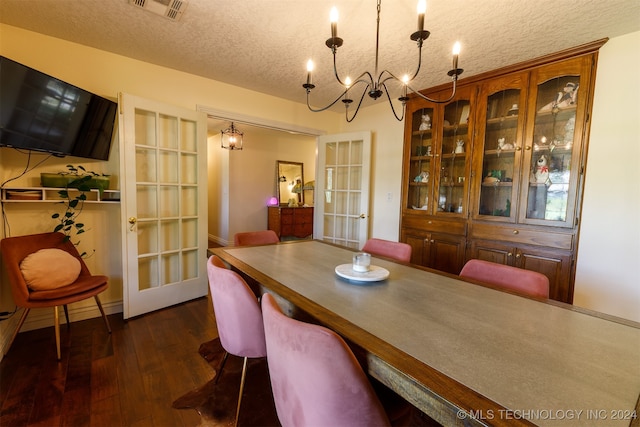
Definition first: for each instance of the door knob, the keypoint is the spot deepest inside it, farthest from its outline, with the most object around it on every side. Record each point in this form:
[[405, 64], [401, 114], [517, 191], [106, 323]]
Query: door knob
[[132, 221], [362, 216]]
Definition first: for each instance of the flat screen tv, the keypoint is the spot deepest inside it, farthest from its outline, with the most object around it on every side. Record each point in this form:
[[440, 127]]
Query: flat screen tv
[[42, 113]]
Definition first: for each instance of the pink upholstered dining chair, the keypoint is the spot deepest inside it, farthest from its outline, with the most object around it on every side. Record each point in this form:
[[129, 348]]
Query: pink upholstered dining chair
[[525, 282], [395, 250], [315, 378], [238, 318], [262, 237]]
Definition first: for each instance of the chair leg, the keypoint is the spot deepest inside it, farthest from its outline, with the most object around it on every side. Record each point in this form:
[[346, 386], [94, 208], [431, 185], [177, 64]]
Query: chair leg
[[219, 373], [56, 325], [15, 333], [244, 373], [104, 316], [66, 316]]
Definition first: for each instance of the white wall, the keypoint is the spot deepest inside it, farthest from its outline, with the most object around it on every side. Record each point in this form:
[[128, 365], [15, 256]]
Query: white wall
[[218, 184], [607, 277]]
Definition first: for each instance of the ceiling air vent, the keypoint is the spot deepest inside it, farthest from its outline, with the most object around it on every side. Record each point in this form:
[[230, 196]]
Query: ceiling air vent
[[170, 9]]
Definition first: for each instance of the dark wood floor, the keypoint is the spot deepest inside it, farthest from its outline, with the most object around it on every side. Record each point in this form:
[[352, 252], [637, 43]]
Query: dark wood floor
[[128, 378]]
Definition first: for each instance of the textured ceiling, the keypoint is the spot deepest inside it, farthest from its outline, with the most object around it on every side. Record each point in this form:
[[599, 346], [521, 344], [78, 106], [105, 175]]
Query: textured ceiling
[[263, 45]]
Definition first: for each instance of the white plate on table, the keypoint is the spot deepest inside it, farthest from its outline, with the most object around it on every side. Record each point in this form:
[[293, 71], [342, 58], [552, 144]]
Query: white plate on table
[[375, 273]]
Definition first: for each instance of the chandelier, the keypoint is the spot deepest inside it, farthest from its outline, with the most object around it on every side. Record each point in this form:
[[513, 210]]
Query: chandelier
[[231, 138], [377, 87]]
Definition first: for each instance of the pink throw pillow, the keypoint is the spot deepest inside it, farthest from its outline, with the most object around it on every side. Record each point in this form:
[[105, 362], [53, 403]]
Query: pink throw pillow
[[49, 269]]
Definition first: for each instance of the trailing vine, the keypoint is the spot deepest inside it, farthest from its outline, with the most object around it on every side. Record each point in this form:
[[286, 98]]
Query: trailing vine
[[67, 222]]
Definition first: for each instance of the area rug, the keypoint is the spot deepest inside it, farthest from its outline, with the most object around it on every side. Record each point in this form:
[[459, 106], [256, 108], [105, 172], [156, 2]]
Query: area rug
[[216, 403]]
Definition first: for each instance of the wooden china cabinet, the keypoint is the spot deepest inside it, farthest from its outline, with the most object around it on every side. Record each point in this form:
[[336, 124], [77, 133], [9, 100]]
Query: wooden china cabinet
[[498, 172], [437, 167]]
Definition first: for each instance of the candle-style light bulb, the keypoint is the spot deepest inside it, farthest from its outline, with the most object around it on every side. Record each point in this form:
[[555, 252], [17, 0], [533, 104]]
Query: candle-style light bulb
[[456, 52], [347, 85], [333, 17], [422, 9], [405, 81], [309, 70]]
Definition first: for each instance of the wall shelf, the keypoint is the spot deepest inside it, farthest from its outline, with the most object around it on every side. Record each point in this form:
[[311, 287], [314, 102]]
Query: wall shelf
[[50, 195]]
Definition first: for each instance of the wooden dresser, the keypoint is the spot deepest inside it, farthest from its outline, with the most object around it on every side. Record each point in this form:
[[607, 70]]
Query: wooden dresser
[[291, 221]]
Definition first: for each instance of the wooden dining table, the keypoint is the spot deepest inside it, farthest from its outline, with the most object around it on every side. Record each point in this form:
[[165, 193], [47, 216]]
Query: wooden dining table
[[462, 353]]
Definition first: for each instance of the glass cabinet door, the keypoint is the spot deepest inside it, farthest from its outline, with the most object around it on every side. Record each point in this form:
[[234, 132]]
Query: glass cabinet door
[[420, 159], [502, 148], [550, 191], [452, 171]]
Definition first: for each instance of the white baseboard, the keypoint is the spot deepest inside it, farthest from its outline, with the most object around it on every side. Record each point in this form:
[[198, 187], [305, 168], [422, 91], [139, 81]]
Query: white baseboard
[[38, 319]]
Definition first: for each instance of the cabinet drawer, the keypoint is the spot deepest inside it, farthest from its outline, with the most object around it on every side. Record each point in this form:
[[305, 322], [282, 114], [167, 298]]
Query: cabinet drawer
[[304, 215], [286, 219], [435, 225], [519, 234]]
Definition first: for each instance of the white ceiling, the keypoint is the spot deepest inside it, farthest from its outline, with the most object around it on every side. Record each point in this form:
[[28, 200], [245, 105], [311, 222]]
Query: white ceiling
[[263, 45]]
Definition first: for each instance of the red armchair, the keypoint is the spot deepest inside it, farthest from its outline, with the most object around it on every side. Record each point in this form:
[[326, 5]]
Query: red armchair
[[16, 249]]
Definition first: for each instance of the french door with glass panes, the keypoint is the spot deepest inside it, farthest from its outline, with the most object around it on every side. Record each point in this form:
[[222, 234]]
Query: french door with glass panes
[[342, 195], [164, 209]]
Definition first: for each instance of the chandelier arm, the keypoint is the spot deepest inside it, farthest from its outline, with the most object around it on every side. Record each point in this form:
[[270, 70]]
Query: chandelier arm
[[386, 91], [391, 76], [357, 80], [317, 110], [335, 67], [346, 112], [436, 101], [415, 74], [361, 79]]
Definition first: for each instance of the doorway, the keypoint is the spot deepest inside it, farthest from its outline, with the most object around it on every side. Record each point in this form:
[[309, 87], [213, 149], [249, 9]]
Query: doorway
[[242, 182]]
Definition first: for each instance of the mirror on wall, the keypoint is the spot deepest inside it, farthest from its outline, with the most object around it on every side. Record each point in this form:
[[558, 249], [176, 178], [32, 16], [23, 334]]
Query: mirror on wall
[[290, 182]]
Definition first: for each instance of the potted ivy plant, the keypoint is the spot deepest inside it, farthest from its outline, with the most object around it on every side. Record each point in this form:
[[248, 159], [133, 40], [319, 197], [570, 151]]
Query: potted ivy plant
[[77, 178]]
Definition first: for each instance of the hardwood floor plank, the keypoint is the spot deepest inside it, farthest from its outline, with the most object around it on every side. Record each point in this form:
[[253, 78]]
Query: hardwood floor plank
[[104, 382], [148, 351], [49, 393], [76, 408], [133, 399], [106, 412], [159, 387], [76, 403], [18, 404]]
